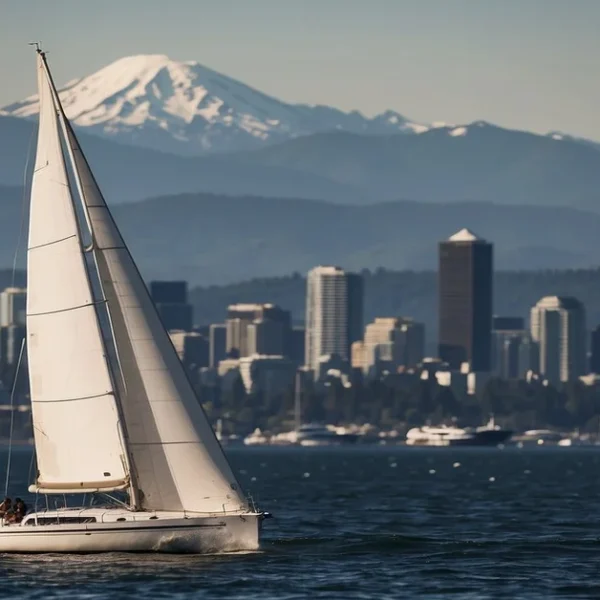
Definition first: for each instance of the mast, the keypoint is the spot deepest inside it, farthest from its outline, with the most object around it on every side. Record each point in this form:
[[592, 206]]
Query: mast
[[65, 126]]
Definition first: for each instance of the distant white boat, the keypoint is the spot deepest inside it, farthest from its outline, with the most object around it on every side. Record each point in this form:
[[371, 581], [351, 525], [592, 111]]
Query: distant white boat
[[540, 437], [316, 434], [114, 414], [256, 438]]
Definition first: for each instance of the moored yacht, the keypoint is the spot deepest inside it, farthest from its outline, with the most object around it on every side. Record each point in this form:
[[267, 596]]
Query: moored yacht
[[486, 435], [316, 434], [435, 436]]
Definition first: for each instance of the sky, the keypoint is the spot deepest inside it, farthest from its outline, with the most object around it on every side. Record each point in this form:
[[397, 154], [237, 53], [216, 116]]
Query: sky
[[523, 64]]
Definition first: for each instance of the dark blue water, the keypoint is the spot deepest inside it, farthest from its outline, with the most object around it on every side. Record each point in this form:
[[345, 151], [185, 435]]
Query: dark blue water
[[372, 523]]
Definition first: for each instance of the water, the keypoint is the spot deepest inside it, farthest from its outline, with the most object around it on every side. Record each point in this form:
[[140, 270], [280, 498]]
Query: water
[[353, 523]]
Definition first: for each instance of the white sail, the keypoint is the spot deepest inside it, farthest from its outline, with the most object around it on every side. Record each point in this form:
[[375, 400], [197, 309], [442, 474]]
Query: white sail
[[177, 461], [75, 418]]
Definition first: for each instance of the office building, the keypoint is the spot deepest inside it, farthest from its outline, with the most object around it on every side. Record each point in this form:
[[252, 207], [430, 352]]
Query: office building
[[217, 340], [297, 345], [334, 307], [358, 359], [171, 301], [356, 294], [267, 337], [390, 343], [192, 348], [513, 353], [465, 301], [257, 329], [558, 329], [512, 348], [270, 375], [13, 306]]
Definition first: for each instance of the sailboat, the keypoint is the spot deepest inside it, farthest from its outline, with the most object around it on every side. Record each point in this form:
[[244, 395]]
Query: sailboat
[[115, 417]]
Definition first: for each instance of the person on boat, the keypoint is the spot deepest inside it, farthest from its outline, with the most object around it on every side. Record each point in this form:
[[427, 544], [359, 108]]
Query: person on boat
[[5, 506], [20, 510], [17, 513]]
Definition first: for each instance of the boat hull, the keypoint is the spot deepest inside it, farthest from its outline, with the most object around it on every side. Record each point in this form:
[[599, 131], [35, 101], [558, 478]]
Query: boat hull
[[187, 535], [328, 440], [491, 437]]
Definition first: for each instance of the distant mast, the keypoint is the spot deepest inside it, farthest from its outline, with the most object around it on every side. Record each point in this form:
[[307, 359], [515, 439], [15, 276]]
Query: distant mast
[[298, 401]]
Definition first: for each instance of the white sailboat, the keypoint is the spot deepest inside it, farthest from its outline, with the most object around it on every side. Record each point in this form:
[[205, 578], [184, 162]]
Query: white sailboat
[[114, 414]]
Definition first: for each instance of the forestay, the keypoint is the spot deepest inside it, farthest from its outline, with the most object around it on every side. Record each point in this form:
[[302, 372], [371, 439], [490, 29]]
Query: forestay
[[76, 424], [177, 461]]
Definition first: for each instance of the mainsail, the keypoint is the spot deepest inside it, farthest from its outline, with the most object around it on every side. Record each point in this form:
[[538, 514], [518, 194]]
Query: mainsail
[[77, 433], [176, 460]]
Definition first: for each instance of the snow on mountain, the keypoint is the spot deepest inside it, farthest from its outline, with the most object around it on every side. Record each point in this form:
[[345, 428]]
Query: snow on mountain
[[560, 136], [458, 131], [151, 100]]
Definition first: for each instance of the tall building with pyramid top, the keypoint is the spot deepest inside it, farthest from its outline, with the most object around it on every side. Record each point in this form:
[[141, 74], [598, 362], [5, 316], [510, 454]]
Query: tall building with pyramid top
[[465, 300]]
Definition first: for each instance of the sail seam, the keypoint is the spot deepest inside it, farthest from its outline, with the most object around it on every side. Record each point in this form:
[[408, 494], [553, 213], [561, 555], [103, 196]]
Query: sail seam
[[62, 310], [53, 242], [102, 395]]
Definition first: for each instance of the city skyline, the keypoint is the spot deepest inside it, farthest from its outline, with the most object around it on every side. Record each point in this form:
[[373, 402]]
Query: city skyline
[[446, 64]]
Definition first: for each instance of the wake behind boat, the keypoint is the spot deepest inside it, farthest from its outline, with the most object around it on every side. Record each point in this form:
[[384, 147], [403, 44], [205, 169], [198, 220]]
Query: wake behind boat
[[114, 414]]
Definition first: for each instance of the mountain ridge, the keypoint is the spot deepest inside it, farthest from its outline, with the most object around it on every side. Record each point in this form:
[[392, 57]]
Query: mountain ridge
[[187, 108], [129, 173], [208, 239], [479, 161]]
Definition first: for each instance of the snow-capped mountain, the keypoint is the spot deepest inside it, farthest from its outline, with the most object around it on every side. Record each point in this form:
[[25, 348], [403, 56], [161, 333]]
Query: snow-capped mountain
[[151, 100]]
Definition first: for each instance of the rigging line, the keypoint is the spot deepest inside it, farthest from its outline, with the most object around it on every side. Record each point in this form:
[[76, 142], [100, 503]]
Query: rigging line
[[31, 462], [12, 418], [23, 207]]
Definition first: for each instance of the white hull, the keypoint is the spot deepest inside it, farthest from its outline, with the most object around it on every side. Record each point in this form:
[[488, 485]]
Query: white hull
[[231, 533]]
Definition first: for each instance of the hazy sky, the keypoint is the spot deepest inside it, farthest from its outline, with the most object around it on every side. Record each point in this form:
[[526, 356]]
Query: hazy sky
[[530, 64]]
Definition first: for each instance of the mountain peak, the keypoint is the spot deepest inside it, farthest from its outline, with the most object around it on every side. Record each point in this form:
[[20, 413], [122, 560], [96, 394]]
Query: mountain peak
[[182, 106]]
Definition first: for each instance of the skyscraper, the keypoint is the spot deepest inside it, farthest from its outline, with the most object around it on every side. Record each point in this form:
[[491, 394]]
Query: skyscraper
[[465, 301], [558, 328], [334, 313], [217, 336], [356, 293]]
